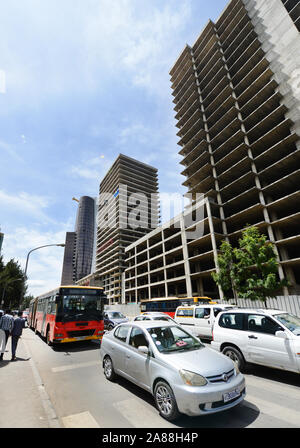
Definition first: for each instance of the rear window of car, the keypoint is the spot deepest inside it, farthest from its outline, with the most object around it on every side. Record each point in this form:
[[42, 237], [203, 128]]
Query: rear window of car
[[184, 312], [121, 333], [233, 321]]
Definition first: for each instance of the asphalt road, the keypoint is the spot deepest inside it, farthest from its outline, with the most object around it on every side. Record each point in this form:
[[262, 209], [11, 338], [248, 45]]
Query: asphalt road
[[81, 396]]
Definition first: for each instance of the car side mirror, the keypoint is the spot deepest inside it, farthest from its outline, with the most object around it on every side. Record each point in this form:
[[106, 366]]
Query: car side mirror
[[143, 349], [281, 334]]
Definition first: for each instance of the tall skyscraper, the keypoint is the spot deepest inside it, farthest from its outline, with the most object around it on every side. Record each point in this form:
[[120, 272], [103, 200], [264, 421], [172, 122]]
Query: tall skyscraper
[[237, 102], [128, 209], [80, 247]]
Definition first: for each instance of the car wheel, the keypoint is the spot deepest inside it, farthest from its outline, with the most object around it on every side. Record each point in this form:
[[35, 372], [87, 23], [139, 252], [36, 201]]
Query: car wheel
[[236, 356], [108, 369], [165, 401]]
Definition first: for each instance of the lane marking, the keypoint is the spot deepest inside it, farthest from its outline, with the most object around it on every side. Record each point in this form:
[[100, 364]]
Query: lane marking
[[273, 410], [75, 366], [139, 415], [81, 420]]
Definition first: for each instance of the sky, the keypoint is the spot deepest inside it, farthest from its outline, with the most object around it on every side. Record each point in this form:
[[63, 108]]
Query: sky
[[82, 81]]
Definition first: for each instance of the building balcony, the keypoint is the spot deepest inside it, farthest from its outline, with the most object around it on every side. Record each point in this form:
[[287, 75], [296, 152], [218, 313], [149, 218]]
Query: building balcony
[[236, 16], [242, 28], [223, 122], [271, 137], [205, 41], [241, 167], [199, 176], [227, 133], [239, 184], [182, 119], [223, 162], [251, 74], [217, 95]]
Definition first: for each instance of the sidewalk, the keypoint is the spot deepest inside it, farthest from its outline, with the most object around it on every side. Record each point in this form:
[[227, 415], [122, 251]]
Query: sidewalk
[[24, 402]]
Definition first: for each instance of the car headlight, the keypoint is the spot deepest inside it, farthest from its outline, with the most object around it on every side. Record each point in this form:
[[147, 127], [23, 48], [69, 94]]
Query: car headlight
[[192, 379]]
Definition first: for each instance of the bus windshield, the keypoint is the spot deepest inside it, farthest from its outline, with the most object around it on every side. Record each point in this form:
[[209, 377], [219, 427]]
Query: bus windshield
[[79, 307]]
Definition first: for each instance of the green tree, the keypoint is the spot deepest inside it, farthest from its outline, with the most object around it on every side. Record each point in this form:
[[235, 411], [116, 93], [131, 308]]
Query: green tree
[[251, 268], [225, 277], [12, 284]]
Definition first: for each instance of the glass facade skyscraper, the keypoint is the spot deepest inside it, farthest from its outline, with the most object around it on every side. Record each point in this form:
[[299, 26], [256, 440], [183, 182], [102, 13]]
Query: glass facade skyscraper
[[79, 249]]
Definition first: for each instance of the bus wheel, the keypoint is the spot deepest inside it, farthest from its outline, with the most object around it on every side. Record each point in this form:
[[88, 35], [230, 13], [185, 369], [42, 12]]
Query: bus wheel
[[48, 338]]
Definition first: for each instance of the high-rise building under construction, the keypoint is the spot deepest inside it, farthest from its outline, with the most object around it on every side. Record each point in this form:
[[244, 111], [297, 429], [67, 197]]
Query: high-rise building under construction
[[237, 102]]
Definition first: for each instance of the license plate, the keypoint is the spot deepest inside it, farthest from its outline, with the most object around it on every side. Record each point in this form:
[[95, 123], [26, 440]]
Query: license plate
[[231, 395], [80, 338]]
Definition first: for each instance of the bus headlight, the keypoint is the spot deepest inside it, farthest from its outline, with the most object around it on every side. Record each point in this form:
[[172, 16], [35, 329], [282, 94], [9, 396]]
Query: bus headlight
[[192, 379]]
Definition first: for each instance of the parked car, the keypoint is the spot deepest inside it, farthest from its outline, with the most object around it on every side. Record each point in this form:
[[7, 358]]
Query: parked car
[[199, 319], [182, 374], [154, 316], [266, 337], [113, 318]]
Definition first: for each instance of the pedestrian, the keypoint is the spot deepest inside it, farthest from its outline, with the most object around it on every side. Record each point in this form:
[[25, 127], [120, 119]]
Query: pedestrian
[[6, 324], [2, 338], [19, 324]]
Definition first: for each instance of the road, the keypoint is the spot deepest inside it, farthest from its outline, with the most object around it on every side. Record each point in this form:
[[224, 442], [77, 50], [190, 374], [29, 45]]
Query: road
[[81, 396]]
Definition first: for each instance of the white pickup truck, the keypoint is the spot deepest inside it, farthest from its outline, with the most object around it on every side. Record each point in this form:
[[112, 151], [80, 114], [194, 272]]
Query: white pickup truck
[[199, 319]]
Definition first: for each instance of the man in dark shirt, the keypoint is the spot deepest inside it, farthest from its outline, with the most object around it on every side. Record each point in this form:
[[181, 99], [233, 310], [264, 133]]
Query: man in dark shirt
[[19, 324]]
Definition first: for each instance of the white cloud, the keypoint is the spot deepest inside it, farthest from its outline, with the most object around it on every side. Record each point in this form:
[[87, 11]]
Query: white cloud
[[10, 150], [138, 38], [24, 203], [92, 168], [44, 265]]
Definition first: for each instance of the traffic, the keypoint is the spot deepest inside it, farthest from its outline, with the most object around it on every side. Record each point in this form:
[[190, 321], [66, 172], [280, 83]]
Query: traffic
[[192, 363]]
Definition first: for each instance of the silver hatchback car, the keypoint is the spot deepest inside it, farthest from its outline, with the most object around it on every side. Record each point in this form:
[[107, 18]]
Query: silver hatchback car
[[182, 374]]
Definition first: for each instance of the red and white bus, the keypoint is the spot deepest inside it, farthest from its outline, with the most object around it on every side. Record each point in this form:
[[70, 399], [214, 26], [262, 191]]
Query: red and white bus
[[168, 305], [68, 313]]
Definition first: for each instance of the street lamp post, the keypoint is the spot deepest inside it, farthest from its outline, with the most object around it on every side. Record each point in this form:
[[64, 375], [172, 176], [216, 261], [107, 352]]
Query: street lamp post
[[36, 248]]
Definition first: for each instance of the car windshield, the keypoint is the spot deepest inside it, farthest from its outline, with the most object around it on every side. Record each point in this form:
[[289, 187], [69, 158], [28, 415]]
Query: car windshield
[[173, 339], [290, 321], [116, 315]]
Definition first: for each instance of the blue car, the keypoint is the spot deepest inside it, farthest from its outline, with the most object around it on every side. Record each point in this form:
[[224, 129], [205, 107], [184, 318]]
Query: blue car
[[113, 318]]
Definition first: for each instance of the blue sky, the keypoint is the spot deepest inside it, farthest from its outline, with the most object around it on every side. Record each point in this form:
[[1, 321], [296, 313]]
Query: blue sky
[[85, 80]]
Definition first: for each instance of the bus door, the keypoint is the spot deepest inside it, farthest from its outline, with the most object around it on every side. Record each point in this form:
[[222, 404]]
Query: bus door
[[33, 311], [45, 309]]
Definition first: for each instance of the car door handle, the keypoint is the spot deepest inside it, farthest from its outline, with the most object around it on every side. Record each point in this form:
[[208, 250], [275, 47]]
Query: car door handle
[[128, 356], [252, 337]]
